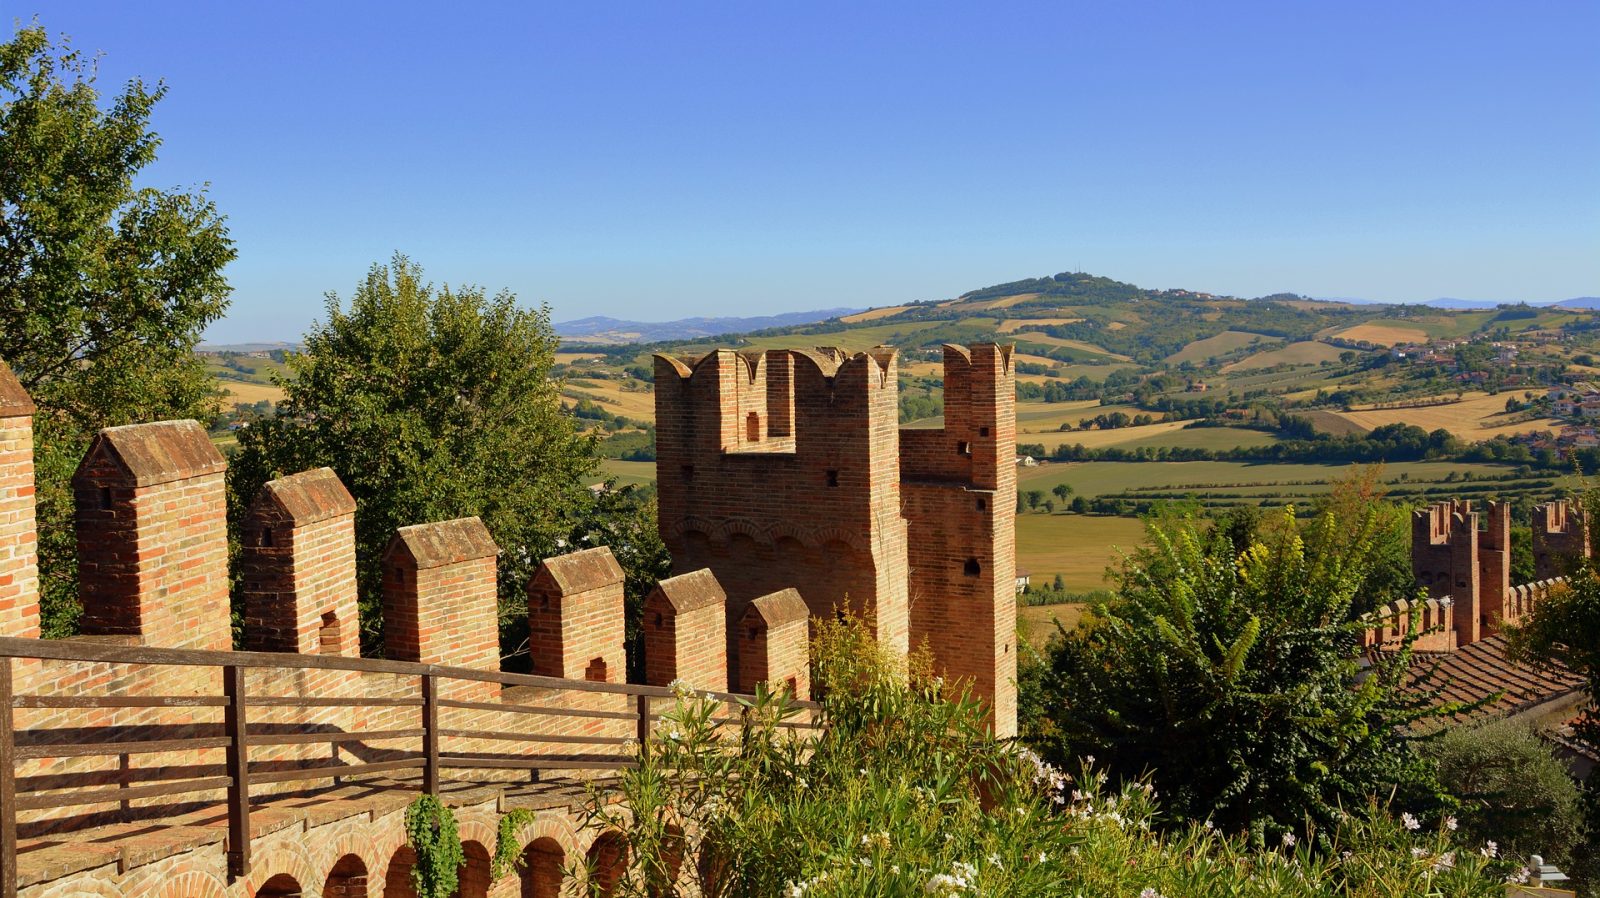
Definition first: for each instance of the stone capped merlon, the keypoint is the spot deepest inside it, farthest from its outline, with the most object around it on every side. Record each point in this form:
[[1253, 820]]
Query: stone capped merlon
[[782, 607], [304, 498], [14, 399], [692, 591], [152, 454], [443, 542], [581, 571]]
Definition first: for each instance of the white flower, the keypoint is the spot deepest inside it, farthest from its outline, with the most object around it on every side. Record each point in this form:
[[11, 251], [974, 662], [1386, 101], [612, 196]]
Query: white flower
[[1450, 823], [1409, 822], [994, 861], [1519, 877], [1043, 857], [1418, 851], [1445, 861], [1210, 826], [1150, 893], [1490, 849], [681, 689], [1288, 840]]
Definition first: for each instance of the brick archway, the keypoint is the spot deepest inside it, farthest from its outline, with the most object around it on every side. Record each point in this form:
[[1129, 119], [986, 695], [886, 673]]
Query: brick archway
[[281, 885], [347, 878], [192, 884], [606, 861], [283, 870]]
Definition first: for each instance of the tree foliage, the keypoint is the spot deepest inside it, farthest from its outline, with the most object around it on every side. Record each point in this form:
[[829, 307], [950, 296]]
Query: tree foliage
[[1235, 680], [430, 404], [905, 793], [105, 284], [1512, 790]]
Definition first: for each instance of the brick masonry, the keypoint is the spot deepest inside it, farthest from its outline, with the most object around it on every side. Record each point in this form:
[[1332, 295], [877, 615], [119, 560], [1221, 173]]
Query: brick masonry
[[787, 469], [19, 564], [1560, 533], [298, 567], [685, 632]]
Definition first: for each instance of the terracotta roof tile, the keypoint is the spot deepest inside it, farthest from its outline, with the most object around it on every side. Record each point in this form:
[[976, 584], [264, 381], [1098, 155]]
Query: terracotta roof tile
[[1479, 670], [444, 542], [581, 571]]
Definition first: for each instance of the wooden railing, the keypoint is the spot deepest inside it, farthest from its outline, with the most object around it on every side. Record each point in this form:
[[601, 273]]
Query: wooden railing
[[237, 738]]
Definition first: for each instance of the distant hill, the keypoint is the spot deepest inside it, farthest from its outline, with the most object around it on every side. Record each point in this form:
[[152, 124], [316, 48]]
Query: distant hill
[[1450, 302], [600, 329], [247, 347]]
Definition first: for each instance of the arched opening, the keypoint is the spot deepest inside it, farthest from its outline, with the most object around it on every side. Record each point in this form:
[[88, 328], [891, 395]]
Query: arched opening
[[397, 882], [672, 850], [347, 879], [474, 876], [606, 861], [281, 886], [542, 863], [752, 427]]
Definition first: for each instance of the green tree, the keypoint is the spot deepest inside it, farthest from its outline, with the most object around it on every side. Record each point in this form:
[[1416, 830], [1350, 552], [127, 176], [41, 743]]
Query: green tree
[[1062, 491], [1234, 679], [1512, 790], [1033, 498], [105, 286], [430, 404]]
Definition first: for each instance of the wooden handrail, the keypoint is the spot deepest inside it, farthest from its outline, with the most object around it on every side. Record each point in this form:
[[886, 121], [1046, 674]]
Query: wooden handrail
[[237, 736]]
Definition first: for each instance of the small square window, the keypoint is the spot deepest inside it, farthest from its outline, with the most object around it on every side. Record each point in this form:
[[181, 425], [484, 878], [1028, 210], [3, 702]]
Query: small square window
[[833, 477], [688, 472], [983, 431], [963, 448], [983, 504]]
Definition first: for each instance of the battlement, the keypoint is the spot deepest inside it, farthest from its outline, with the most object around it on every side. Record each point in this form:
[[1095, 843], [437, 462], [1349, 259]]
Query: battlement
[[1560, 535], [1433, 619], [787, 470]]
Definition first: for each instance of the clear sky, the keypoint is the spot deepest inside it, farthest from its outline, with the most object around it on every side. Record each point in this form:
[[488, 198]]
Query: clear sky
[[655, 161]]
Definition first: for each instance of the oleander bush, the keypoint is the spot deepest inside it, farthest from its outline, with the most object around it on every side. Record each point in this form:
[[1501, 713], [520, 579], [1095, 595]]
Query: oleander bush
[[905, 793]]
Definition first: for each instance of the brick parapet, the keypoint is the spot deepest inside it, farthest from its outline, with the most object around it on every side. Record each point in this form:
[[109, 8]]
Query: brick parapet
[[298, 567], [440, 599], [685, 632], [152, 536], [1560, 535], [773, 637], [19, 563], [1444, 559], [576, 617]]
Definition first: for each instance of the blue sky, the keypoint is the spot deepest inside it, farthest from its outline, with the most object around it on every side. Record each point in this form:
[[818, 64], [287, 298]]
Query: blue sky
[[656, 161]]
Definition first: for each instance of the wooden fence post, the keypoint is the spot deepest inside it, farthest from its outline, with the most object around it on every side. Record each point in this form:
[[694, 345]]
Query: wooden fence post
[[238, 757], [643, 731], [8, 788], [430, 735]]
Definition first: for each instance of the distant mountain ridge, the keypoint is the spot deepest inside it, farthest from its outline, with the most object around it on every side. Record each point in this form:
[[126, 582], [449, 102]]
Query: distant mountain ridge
[[601, 329]]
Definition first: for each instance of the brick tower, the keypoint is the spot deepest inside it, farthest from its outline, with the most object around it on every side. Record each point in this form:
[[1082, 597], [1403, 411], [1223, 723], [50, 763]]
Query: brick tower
[[781, 469], [1444, 558], [1560, 534], [787, 469], [959, 486]]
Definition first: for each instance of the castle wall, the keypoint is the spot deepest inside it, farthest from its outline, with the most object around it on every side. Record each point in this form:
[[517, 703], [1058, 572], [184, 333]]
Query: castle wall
[[764, 510], [1560, 534], [19, 564], [1444, 558], [297, 567], [959, 495], [153, 536]]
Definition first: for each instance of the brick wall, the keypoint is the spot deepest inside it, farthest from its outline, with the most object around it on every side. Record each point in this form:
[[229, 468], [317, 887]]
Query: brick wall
[[298, 567], [575, 617], [1444, 558], [19, 567], [153, 536], [439, 595], [959, 495], [685, 638], [774, 647], [1560, 533], [811, 502]]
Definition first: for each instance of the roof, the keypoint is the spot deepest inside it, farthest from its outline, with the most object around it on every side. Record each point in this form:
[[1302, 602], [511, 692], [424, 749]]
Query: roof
[[782, 607], [1481, 669], [156, 453], [305, 498], [691, 591], [581, 571], [444, 542], [14, 400]]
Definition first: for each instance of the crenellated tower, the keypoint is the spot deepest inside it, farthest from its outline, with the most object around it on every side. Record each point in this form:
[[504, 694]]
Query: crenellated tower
[[1560, 534]]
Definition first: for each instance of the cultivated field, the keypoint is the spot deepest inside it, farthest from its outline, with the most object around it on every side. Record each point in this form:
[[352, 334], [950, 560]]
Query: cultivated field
[[1384, 334], [1076, 546], [1305, 352], [1106, 478], [873, 314], [1221, 344], [1012, 324], [627, 473], [615, 396], [250, 393], [1478, 416], [1037, 623]]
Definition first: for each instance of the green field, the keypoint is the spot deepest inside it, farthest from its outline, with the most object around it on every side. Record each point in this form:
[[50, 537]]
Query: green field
[[1076, 546], [1221, 344], [1103, 478], [627, 473]]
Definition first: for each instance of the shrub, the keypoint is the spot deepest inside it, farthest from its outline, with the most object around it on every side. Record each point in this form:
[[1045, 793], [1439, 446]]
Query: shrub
[[905, 793]]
